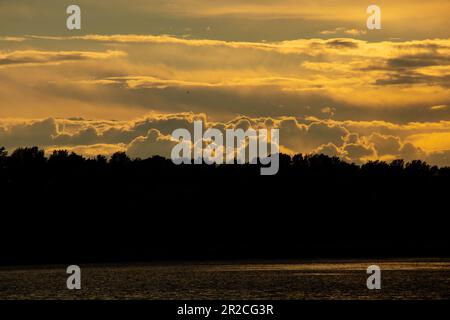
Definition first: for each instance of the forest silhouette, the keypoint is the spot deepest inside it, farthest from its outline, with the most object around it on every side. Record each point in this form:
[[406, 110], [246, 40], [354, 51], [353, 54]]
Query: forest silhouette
[[66, 208]]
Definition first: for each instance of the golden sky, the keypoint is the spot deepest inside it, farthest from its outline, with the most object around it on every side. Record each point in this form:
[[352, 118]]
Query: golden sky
[[137, 70]]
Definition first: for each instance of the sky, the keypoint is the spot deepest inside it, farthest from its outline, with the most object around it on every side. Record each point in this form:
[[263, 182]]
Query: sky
[[139, 69]]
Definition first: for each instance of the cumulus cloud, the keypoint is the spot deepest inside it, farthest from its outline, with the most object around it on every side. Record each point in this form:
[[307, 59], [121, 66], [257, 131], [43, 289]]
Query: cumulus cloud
[[439, 158], [307, 137], [151, 135], [359, 153], [330, 150], [327, 84], [385, 144], [29, 133], [154, 143]]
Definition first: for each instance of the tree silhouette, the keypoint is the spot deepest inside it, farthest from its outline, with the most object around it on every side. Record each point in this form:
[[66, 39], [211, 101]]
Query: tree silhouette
[[27, 157], [119, 209], [3, 156], [119, 159]]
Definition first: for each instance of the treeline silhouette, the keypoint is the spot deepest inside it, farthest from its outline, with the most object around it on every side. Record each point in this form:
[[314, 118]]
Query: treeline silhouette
[[69, 209]]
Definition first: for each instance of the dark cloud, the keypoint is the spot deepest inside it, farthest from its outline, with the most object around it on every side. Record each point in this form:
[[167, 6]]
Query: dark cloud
[[417, 61], [411, 78], [29, 134], [359, 153], [386, 145], [341, 43], [439, 158], [353, 141]]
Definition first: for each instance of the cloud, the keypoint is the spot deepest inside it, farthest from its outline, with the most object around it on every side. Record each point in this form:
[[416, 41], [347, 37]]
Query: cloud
[[343, 30], [428, 59], [323, 94], [329, 111], [29, 133], [151, 135], [342, 43], [439, 107], [170, 74], [247, 20], [385, 145], [330, 150], [45, 57], [439, 158], [90, 151], [14, 39], [85, 136], [359, 153], [410, 152], [154, 143], [305, 138]]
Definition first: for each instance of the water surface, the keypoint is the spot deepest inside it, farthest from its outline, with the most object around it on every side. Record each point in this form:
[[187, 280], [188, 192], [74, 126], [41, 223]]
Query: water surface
[[407, 279]]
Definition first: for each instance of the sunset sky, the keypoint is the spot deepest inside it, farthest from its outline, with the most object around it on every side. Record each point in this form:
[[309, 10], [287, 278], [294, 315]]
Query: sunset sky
[[139, 69]]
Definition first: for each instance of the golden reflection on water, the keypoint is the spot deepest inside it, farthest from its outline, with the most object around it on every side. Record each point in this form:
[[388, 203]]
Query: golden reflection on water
[[232, 280]]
